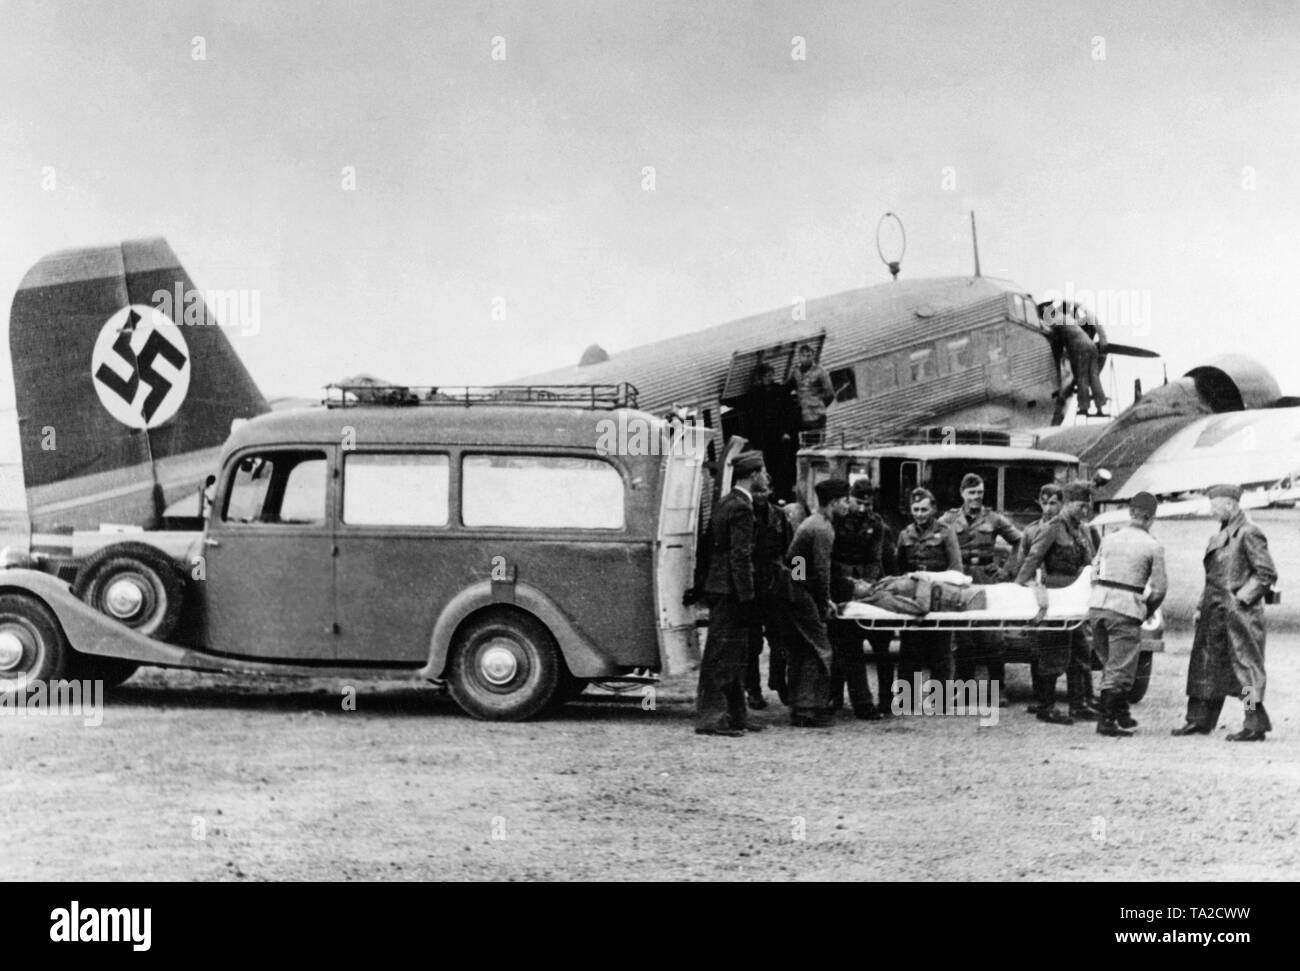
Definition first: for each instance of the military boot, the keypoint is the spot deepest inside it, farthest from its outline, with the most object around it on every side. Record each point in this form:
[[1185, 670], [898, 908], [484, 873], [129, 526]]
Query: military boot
[[1106, 720], [1078, 694], [1123, 717], [1045, 690]]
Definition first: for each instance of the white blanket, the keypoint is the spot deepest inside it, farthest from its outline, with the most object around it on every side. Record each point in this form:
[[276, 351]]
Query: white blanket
[[1003, 601]]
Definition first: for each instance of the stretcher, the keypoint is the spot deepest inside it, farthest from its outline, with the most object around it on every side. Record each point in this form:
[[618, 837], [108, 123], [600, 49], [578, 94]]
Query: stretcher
[[1008, 606]]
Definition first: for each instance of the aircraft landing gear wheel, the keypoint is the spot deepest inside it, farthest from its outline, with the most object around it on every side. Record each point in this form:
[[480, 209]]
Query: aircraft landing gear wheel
[[1142, 680], [32, 647], [505, 667], [135, 584]]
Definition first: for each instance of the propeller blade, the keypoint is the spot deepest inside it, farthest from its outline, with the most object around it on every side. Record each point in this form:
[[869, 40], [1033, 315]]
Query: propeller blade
[[1128, 350]]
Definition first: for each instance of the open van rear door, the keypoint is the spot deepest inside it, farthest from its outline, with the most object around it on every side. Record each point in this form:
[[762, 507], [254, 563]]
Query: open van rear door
[[679, 641]]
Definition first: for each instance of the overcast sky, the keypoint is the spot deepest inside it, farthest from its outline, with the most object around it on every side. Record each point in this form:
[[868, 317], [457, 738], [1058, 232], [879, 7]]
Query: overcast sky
[[1146, 149]]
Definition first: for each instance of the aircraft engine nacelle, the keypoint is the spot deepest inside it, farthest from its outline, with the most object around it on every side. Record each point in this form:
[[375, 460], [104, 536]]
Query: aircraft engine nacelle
[[1235, 382]]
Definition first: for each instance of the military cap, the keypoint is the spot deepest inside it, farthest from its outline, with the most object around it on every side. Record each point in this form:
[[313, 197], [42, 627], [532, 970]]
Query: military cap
[[1078, 491], [828, 490], [1144, 503], [862, 489], [1224, 490], [747, 463], [970, 480]]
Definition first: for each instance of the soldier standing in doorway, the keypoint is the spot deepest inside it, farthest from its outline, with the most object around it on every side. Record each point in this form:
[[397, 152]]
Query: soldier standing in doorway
[[815, 392]]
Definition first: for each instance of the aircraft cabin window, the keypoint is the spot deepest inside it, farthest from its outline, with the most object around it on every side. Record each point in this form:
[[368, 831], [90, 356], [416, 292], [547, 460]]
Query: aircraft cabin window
[[961, 354], [921, 366], [881, 375], [541, 492], [997, 344], [278, 488], [845, 383], [395, 490]]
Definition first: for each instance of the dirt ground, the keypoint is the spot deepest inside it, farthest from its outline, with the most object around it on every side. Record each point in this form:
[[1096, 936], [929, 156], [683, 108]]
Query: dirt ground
[[221, 778]]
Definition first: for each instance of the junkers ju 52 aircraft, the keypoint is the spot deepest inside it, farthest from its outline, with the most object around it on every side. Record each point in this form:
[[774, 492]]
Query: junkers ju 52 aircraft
[[123, 405]]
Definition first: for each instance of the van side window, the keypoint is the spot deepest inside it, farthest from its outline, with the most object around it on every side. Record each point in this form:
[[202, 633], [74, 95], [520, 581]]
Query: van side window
[[541, 492], [285, 487], [395, 490]]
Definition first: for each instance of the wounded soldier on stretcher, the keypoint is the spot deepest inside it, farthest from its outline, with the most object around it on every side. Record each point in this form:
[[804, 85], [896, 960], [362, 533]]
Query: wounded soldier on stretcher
[[950, 594]]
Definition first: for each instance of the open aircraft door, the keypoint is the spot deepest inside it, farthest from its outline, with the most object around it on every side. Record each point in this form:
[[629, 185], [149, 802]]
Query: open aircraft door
[[679, 513]]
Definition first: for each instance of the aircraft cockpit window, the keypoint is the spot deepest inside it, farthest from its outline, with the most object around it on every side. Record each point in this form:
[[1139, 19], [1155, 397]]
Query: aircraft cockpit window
[[921, 365], [281, 487]]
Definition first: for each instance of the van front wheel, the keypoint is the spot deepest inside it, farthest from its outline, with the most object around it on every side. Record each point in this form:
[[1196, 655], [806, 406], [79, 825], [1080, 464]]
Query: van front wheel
[[505, 667]]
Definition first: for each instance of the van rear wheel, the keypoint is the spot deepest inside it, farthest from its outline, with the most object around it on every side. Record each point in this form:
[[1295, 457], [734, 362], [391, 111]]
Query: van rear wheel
[[505, 667], [32, 646]]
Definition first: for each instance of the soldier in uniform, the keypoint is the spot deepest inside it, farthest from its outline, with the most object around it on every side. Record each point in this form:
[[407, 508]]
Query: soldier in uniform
[[720, 697], [815, 393], [1228, 645], [1128, 584], [809, 648], [772, 422], [772, 535], [925, 544], [1050, 502], [977, 529], [863, 550], [1064, 548]]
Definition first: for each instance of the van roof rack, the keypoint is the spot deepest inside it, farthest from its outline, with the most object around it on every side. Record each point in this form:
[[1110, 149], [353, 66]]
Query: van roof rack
[[594, 396]]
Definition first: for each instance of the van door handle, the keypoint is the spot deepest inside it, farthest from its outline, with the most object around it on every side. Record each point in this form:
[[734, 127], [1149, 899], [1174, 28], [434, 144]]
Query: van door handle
[[209, 541]]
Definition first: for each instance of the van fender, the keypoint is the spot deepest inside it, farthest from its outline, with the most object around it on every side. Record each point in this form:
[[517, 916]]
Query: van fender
[[85, 629], [580, 653]]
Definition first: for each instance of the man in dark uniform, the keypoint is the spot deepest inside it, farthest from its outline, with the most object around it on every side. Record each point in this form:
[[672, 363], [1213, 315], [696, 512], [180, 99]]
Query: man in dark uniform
[[720, 697], [808, 647], [925, 544], [772, 535], [977, 529], [1128, 584], [1228, 645], [863, 550], [1063, 550], [772, 426]]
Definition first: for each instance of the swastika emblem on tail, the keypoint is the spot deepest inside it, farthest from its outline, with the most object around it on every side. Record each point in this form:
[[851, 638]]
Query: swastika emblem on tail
[[141, 367]]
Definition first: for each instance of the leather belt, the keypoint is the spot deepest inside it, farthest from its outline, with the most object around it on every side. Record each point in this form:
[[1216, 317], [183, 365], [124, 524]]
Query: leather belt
[[1115, 584]]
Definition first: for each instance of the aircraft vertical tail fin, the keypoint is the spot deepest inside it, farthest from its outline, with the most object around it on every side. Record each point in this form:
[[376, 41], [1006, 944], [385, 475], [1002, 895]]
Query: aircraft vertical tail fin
[[125, 384]]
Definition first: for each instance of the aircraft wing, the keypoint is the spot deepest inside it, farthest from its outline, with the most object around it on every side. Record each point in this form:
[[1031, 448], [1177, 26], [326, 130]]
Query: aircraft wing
[[1255, 447]]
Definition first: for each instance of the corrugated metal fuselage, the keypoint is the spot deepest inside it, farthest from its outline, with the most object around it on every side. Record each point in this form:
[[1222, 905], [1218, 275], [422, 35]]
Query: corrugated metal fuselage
[[960, 350]]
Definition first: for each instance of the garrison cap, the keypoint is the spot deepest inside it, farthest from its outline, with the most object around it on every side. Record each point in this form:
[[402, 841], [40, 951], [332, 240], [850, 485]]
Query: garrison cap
[[1078, 491], [747, 463], [1144, 503], [862, 489], [1224, 490], [828, 490], [970, 480]]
